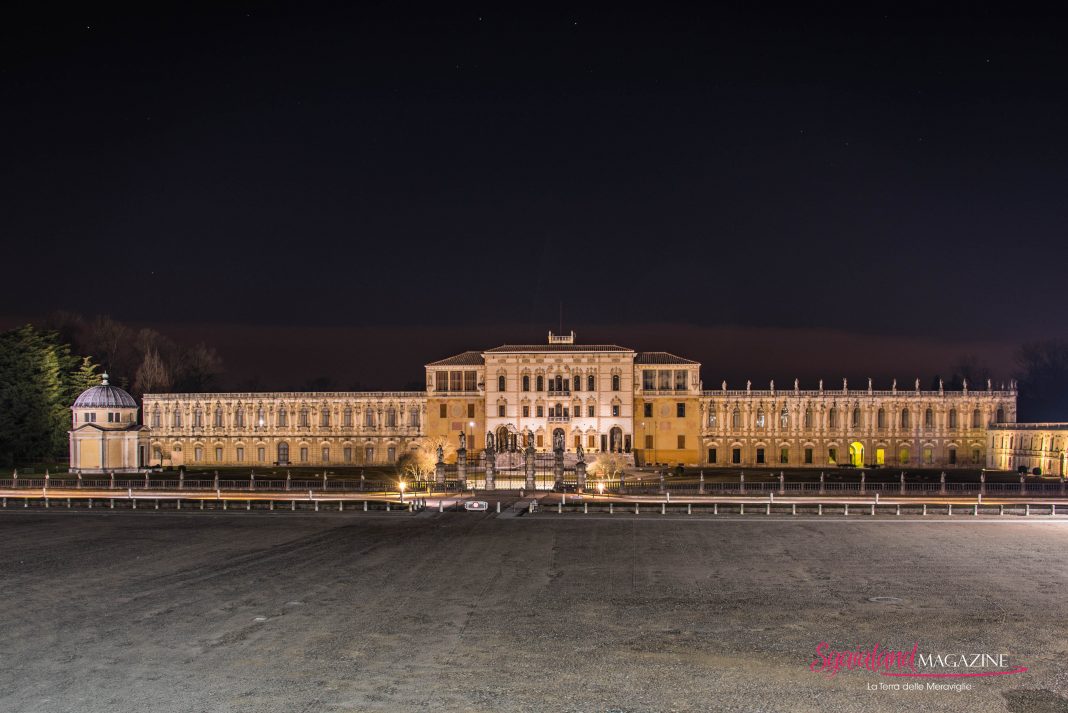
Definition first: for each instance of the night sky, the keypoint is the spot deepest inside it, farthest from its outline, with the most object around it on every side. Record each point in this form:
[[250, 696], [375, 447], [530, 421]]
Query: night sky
[[863, 192]]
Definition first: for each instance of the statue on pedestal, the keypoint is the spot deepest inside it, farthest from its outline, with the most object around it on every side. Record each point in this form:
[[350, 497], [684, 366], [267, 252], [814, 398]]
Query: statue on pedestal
[[441, 454], [463, 441]]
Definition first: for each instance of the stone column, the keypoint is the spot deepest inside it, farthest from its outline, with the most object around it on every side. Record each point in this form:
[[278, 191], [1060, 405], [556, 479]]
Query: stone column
[[580, 475], [461, 467], [439, 473]]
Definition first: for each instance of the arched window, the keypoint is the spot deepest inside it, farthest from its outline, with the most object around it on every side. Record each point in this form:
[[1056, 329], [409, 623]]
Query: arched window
[[156, 417], [261, 417], [881, 419], [500, 383], [953, 418], [904, 418], [856, 417], [239, 417], [218, 419], [540, 383], [928, 419], [526, 382], [282, 416], [784, 418], [198, 418], [591, 383], [413, 418], [303, 422], [283, 453], [577, 386], [176, 419], [324, 418], [559, 383], [615, 382], [832, 418], [808, 417], [712, 417], [1000, 415], [346, 416], [760, 418], [391, 417], [977, 419], [369, 418], [736, 418]]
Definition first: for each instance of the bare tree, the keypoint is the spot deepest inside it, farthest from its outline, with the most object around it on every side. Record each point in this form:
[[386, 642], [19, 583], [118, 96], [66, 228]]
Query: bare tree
[[152, 375]]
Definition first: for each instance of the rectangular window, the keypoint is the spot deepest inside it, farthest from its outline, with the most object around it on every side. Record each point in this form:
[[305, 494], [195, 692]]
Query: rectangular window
[[111, 417], [218, 455], [590, 411], [198, 454], [526, 411], [649, 442], [539, 411], [369, 454], [303, 455], [808, 456], [443, 411], [681, 442], [647, 410], [976, 455], [347, 453], [680, 380], [736, 455], [578, 442], [680, 410], [760, 455], [441, 381], [952, 456], [880, 456], [326, 455], [591, 441], [711, 455], [456, 380], [832, 456], [663, 382], [500, 410], [784, 455], [540, 439], [240, 455], [391, 454], [261, 454], [470, 410], [615, 409], [649, 380], [928, 456], [470, 381]]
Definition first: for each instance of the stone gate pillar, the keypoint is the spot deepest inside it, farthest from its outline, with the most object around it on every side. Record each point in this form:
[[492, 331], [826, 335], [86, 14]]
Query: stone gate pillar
[[491, 469], [558, 467], [580, 476], [528, 467], [461, 467]]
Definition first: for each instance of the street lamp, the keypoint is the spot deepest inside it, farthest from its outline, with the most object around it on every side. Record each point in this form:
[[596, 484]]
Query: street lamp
[[402, 486], [600, 487]]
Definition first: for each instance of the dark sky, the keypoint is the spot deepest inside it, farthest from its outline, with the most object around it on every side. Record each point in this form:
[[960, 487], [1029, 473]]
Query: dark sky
[[888, 176]]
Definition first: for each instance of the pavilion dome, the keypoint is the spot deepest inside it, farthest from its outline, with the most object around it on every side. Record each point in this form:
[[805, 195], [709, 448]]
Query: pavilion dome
[[104, 395]]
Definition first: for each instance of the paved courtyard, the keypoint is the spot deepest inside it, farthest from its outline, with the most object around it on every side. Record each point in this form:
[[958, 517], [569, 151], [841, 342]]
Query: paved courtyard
[[264, 612]]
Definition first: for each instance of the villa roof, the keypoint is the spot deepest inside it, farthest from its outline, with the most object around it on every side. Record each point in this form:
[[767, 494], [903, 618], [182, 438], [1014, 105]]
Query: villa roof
[[661, 358], [462, 359]]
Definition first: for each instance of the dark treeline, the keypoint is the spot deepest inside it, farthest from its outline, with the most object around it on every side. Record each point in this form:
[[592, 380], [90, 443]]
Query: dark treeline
[[39, 379], [43, 369], [140, 360]]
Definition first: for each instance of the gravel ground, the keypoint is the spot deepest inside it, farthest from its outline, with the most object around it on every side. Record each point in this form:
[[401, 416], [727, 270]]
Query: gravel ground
[[265, 612]]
